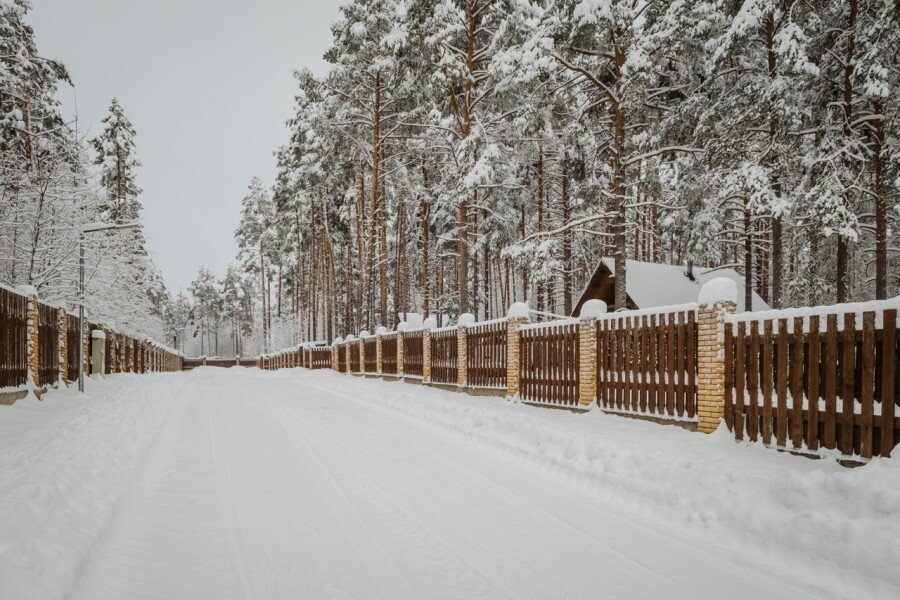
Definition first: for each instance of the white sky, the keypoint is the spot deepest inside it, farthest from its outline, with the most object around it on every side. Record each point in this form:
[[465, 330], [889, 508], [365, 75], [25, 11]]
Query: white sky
[[208, 86]]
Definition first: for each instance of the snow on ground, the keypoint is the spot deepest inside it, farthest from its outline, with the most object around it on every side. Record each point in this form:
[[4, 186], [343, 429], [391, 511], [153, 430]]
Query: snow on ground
[[239, 483]]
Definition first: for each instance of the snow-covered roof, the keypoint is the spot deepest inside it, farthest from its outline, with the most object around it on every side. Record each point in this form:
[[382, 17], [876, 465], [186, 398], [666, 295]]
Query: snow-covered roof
[[650, 285]]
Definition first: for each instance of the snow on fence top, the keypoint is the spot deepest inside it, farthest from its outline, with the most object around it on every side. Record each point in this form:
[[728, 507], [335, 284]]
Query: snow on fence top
[[489, 322], [519, 310], [656, 310], [444, 328], [466, 320], [855, 308], [429, 323], [548, 324], [593, 309], [98, 334], [720, 289]]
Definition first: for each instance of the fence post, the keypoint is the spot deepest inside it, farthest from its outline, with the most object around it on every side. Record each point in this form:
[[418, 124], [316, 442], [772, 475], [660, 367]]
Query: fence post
[[335, 366], [426, 348], [587, 350], [361, 348], [32, 348], [516, 317], [718, 298], [462, 349], [378, 333], [62, 330], [401, 327]]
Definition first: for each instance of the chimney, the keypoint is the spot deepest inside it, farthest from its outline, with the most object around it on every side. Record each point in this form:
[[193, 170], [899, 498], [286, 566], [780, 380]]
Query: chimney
[[690, 270]]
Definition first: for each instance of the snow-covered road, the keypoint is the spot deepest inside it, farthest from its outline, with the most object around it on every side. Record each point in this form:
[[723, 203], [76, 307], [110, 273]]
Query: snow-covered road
[[237, 483]]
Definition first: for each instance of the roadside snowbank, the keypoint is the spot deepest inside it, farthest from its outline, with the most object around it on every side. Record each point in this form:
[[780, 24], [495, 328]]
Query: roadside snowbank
[[839, 527]]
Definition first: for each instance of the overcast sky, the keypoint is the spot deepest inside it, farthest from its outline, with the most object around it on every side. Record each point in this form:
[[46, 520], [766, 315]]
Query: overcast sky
[[208, 86]]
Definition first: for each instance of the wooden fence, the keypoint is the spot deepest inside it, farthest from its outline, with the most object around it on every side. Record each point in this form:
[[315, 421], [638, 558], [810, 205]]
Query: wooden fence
[[73, 330], [355, 362], [486, 354], [825, 381], [48, 345], [648, 363], [320, 358], [13, 339], [412, 353], [370, 355], [343, 364], [548, 364], [444, 351], [389, 354]]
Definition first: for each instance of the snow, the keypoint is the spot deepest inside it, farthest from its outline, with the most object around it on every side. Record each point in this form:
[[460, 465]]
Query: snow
[[364, 333], [518, 310], [720, 289], [312, 484], [466, 320], [429, 323], [403, 326], [27, 290], [98, 334], [592, 309], [858, 309], [381, 330]]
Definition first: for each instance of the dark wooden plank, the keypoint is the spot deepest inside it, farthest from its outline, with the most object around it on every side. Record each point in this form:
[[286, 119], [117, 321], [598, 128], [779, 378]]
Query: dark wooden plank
[[740, 361], [888, 381], [679, 364], [797, 361], [729, 375], [848, 372], [781, 380], [753, 382], [651, 365], [670, 364], [767, 382], [867, 398], [812, 386], [829, 434], [692, 364]]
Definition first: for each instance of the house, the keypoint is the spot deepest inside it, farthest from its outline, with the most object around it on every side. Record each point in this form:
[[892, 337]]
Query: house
[[649, 285]]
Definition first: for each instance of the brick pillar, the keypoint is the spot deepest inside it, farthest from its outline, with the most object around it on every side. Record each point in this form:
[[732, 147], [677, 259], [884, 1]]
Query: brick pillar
[[32, 348], [378, 353], [711, 354], [587, 360], [361, 348], [334, 357], [62, 328], [399, 354], [513, 324], [462, 362], [426, 356]]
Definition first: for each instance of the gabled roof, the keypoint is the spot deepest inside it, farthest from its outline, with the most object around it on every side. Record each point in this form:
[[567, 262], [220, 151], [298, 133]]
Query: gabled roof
[[650, 285]]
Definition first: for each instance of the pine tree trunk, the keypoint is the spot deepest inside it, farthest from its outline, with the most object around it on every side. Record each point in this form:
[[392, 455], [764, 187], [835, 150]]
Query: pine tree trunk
[[748, 258], [849, 61], [566, 247], [880, 203]]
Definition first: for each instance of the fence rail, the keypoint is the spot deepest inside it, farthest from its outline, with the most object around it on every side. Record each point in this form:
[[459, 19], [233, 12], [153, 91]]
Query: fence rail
[[825, 381], [486, 355], [548, 365]]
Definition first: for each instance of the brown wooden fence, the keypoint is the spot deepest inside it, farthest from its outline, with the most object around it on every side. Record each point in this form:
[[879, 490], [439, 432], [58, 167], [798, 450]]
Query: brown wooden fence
[[412, 353], [648, 364], [389, 354], [353, 351], [486, 355], [819, 381], [13, 339], [73, 331], [444, 352], [320, 358], [370, 355], [48, 345], [343, 364], [548, 364]]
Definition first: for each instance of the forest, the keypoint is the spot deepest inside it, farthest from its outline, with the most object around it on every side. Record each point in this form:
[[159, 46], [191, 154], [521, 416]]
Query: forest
[[461, 155]]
